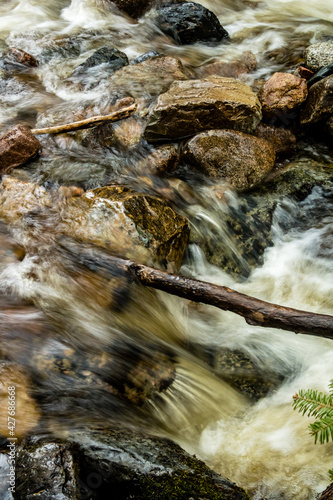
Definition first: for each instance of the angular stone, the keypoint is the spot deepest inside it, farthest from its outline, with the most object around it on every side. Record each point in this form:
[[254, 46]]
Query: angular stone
[[113, 58], [189, 22], [193, 106], [282, 93], [240, 159], [282, 139], [134, 8], [17, 146], [318, 55], [319, 104]]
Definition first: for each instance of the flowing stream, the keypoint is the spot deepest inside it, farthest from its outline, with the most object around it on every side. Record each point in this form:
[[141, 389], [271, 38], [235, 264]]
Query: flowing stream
[[263, 446]]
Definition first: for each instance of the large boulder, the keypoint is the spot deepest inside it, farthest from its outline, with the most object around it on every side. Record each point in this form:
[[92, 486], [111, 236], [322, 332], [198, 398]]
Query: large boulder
[[129, 464], [194, 106], [17, 146], [281, 94], [319, 104], [189, 22], [240, 159], [319, 55]]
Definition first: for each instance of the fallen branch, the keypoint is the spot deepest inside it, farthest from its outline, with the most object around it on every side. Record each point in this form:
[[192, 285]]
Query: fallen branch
[[88, 122], [254, 311]]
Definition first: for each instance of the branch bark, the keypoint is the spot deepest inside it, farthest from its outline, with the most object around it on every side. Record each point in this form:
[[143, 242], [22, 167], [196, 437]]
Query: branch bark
[[88, 122], [254, 311]]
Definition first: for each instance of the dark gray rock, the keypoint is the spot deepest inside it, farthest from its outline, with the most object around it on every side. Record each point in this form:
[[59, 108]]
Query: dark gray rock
[[189, 22], [113, 58], [145, 56]]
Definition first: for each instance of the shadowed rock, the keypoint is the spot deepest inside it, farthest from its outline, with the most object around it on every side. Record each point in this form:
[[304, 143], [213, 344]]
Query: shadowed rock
[[319, 104]]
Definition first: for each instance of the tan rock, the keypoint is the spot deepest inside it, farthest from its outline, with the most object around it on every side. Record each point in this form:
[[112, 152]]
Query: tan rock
[[163, 160], [131, 224], [17, 146], [319, 104], [193, 106], [282, 93], [14, 388], [240, 159], [282, 139]]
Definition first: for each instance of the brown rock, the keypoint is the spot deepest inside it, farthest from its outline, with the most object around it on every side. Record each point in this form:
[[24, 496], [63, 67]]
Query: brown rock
[[245, 64], [16, 147], [282, 93], [134, 8], [240, 159], [197, 105], [319, 104], [282, 139], [15, 55]]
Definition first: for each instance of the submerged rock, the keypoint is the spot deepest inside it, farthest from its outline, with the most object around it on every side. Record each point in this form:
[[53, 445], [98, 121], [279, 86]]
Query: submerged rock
[[17, 146], [281, 94], [189, 22], [129, 464], [240, 159], [319, 105], [112, 58], [151, 76], [319, 55], [197, 105], [246, 63]]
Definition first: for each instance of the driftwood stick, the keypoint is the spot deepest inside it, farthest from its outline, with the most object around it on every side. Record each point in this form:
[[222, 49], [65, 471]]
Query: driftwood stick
[[254, 311], [88, 122]]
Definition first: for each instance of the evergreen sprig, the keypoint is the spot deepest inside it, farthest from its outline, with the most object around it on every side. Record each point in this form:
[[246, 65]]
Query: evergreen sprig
[[319, 405]]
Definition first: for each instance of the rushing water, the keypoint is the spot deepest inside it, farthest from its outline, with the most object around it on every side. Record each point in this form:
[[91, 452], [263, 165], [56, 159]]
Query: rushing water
[[264, 446]]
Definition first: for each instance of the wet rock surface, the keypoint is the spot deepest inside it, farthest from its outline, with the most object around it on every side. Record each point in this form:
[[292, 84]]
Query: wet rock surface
[[240, 159], [127, 463], [244, 64], [282, 93], [17, 146], [190, 22], [319, 55], [319, 105], [14, 57], [194, 106]]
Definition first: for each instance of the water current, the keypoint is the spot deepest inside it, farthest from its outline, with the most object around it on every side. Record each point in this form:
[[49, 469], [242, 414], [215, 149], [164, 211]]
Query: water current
[[264, 446]]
